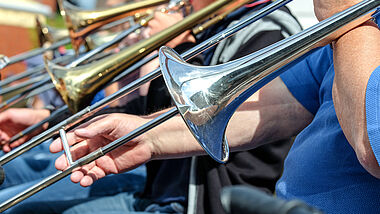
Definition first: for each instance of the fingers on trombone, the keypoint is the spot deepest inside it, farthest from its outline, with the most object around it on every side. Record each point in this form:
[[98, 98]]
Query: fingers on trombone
[[101, 125], [18, 142], [57, 146], [77, 151], [87, 175]]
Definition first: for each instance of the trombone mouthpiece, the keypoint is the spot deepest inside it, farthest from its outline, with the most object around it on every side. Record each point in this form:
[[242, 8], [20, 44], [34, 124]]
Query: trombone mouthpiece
[[4, 60]]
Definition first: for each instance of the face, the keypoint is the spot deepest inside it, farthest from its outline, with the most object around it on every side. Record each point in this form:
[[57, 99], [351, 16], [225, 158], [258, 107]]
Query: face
[[199, 4]]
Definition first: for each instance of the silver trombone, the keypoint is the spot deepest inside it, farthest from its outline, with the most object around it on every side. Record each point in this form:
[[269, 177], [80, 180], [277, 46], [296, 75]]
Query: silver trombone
[[249, 74], [89, 110]]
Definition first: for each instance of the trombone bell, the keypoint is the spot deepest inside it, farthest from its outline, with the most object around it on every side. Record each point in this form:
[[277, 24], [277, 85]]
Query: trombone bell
[[199, 101]]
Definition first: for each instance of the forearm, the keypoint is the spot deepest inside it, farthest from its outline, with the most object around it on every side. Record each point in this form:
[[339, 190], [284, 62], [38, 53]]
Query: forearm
[[269, 115], [356, 56]]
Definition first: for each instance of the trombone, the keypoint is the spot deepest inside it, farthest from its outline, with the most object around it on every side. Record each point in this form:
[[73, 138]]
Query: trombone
[[252, 72]]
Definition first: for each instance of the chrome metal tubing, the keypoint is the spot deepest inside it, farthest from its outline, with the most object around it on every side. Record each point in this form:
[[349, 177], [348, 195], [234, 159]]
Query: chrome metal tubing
[[34, 71], [35, 52], [90, 110], [23, 85], [19, 97]]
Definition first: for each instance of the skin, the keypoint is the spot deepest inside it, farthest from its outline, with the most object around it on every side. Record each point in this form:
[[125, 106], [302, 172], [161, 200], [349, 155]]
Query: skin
[[12, 121]]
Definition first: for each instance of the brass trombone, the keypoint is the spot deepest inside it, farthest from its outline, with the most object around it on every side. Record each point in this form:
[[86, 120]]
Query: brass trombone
[[252, 72], [81, 23]]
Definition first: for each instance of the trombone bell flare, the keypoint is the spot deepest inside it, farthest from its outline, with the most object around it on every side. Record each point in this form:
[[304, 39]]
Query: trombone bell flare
[[197, 105]]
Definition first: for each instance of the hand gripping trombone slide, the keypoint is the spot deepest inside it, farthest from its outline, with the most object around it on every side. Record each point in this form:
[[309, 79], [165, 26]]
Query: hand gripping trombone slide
[[23, 148], [290, 49], [90, 110]]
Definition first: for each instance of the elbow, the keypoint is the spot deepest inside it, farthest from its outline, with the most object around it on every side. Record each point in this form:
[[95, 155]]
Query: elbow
[[368, 160]]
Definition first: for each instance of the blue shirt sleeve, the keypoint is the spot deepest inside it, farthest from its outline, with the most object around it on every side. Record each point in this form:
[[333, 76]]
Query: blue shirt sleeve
[[304, 78], [376, 17], [373, 112]]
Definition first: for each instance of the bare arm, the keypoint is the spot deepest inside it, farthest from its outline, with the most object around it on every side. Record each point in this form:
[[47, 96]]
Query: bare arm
[[270, 114], [356, 55]]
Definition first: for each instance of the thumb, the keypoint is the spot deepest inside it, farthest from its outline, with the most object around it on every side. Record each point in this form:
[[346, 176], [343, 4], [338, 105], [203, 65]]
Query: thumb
[[100, 127]]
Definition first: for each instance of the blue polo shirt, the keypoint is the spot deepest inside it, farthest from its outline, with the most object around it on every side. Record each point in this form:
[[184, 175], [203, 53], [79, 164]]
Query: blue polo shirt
[[322, 168]]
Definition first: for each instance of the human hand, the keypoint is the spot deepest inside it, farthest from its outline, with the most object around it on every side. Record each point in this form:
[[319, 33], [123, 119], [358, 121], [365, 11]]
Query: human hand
[[97, 133], [13, 121]]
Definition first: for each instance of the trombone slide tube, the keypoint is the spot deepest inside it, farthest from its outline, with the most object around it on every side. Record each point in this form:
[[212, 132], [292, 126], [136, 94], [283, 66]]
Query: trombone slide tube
[[6, 104], [85, 113], [22, 85], [35, 52], [34, 71], [206, 108]]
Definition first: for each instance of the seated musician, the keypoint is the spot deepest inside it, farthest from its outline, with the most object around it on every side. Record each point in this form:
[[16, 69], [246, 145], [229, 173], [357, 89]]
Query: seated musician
[[260, 167], [329, 99]]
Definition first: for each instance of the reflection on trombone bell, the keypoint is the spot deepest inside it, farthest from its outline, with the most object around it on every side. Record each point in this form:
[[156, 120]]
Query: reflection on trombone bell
[[251, 73]]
